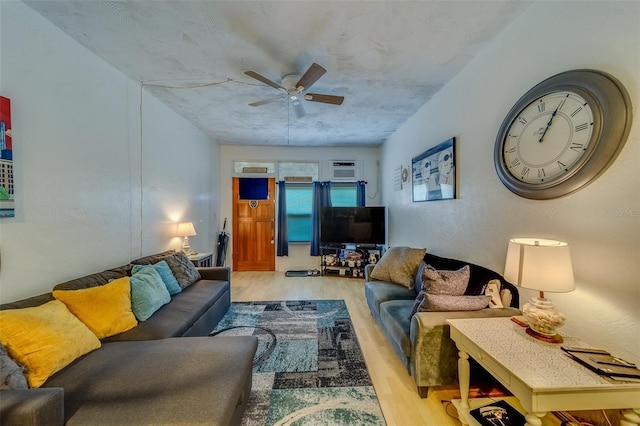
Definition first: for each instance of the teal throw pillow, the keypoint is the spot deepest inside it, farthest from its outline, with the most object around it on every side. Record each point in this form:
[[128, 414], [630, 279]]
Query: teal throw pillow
[[168, 279], [148, 292]]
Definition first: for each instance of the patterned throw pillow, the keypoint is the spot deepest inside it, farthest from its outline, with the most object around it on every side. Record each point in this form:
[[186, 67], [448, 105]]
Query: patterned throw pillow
[[446, 303], [453, 283], [444, 290], [182, 268]]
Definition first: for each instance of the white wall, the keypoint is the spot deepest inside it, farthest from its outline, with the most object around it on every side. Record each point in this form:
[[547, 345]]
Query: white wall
[[298, 253], [600, 222], [92, 191]]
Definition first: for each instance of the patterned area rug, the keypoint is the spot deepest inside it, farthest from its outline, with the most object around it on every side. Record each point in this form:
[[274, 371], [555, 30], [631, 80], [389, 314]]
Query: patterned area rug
[[309, 369]]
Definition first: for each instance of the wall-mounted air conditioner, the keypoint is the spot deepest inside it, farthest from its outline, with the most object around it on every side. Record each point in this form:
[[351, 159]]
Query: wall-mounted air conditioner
[[345, 170]]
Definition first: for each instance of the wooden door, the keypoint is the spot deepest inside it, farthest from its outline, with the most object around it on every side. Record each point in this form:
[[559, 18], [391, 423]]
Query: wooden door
[[254, 231]]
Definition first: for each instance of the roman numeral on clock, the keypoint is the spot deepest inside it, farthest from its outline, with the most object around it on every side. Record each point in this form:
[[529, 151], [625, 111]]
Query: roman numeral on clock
[[583, 126], [577, 147]]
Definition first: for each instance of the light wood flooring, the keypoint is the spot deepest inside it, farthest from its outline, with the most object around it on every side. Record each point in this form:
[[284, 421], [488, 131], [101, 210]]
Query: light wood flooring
[[396, 390]]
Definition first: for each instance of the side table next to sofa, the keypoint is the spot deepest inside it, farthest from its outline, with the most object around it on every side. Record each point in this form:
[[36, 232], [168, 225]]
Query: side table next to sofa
[[539, 374]]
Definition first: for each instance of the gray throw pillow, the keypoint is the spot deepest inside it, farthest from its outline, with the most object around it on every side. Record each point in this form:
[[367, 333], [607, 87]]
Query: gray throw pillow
[[182, 268], [447, 303], [453, 283], [11, 374]]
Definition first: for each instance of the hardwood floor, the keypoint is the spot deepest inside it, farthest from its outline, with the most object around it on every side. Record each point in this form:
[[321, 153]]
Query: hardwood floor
[[396, 390]]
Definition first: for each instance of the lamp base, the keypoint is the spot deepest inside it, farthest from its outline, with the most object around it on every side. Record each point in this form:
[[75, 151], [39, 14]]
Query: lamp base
[[185, 245], [544, 337], [543, 319]]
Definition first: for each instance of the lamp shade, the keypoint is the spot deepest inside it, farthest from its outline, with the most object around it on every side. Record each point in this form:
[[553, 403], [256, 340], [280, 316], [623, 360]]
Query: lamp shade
[[186, 229], [539, 264]]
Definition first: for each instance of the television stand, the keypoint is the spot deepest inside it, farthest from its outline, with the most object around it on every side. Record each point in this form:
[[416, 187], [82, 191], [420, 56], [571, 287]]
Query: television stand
[[348, 259]]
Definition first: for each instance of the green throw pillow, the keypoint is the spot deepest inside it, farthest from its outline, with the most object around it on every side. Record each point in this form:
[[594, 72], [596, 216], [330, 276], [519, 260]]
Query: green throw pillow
[[165, 273], [148, 292]]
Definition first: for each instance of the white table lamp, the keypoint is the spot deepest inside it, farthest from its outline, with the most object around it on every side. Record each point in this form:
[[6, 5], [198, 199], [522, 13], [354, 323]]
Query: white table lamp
[[186, 230], [543, 265]]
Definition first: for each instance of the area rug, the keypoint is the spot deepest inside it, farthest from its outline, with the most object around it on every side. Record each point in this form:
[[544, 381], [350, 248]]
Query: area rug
[[309, 368]]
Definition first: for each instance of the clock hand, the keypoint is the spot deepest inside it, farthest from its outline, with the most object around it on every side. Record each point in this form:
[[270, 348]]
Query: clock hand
[[549, 123]]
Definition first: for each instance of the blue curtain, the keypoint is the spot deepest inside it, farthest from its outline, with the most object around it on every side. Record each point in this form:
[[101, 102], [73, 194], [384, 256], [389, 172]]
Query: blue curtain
[[321, 198], [282, 239], [360, 194]]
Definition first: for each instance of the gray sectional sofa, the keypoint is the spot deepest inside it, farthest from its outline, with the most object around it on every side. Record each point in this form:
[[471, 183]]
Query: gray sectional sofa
[[422, 340], [165, 370]]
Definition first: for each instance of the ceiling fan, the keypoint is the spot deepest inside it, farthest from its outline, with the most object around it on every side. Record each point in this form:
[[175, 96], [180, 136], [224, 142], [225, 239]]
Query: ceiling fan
[[293, 87]]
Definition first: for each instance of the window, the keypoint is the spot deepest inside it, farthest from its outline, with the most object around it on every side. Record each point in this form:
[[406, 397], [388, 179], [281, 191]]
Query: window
[[299, 204], [299, 212]]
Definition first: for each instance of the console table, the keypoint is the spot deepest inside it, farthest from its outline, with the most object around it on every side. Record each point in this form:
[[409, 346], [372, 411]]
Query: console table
[[201, 260], [540, 375]]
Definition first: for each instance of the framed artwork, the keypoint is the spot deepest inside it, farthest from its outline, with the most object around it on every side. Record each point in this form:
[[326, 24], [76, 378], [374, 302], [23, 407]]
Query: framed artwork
[[433, 173], [6, 160]]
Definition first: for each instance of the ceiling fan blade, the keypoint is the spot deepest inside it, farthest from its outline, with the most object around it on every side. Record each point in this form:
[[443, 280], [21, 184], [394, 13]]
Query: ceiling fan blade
[[265, 80], [298, 109], [312, 75], [326, 99], [266, 101]]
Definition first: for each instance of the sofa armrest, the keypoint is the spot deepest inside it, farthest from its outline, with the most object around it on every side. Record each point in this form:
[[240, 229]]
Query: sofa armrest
[[367, 271], [434, 356], [32, 407], [220, 273]]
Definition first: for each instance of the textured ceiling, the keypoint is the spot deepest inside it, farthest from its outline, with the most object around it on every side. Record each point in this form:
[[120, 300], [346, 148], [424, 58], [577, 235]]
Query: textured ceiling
[[387, 58]]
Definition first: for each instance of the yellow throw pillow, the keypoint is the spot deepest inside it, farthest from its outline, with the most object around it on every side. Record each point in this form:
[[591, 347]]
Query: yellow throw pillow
[[44, 339], [105, 309], [399, 265]]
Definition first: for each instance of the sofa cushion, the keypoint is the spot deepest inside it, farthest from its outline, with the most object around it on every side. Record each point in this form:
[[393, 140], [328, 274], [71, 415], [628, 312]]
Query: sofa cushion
[[105, 309], [148, 292], [11, 374], [94, 280], [453, 283], [44, 339], [378, 292], [168, 279], [174, 319], [153, 258], [398, 265], [171, 381]]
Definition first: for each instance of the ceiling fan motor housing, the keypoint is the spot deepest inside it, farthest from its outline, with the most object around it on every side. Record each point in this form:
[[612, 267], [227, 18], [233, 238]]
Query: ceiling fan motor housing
[[289, 82]]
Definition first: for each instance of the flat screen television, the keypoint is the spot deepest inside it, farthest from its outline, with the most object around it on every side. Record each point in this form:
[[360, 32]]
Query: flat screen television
[[352, 225]]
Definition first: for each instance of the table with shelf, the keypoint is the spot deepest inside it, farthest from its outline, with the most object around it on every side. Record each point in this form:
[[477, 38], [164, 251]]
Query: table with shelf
[[201, 260], [348, 260], [540, 375]]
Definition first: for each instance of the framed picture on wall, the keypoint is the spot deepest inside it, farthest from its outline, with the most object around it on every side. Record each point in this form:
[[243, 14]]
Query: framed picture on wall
[[6, 160], [433, 173]]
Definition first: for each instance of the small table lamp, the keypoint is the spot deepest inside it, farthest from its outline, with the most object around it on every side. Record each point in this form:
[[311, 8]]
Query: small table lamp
[[543, 265], [186, 230]]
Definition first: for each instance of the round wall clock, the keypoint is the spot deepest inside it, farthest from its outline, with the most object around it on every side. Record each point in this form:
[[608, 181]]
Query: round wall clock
[[562, 134]]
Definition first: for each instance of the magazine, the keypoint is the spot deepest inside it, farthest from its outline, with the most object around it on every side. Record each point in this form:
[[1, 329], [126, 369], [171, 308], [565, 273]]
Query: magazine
[[498, 413]]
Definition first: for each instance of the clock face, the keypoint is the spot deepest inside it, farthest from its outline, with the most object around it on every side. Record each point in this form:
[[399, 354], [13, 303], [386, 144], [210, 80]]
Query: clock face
[[548, 138]]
